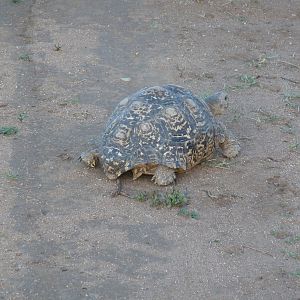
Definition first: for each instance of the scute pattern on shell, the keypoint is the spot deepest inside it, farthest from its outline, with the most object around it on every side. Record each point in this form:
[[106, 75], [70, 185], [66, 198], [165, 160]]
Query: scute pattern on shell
[[164, 125]]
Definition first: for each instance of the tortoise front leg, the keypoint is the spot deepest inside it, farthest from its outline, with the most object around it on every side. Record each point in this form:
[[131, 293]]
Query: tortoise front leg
[[227, 141], [164, 176]]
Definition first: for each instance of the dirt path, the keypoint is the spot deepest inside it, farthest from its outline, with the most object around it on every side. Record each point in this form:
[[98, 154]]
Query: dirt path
[[62, 235]]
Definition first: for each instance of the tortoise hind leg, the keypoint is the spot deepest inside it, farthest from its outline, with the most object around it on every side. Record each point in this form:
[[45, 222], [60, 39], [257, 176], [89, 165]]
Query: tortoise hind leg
[[164, 175]]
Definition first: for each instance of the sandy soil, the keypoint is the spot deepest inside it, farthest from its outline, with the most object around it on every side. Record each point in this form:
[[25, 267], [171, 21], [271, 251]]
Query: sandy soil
[[62, 235]]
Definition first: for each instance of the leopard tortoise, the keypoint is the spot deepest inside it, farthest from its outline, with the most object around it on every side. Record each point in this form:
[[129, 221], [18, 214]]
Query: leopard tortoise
[[162, 130]]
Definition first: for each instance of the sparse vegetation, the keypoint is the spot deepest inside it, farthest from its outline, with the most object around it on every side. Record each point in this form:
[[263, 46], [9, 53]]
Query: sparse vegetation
[[185, 212], [22, 116], [279, 234], [11, 175], [296, 273], [294, 146], [290, 95], [288, 128], [248, 80], [156, 200], [291, 254], [8, 130], [25, 57], [71, 101], [262, 60], [268, 117], [293, 240], [172, 199], [16, 1], [175, 199], [245, 81], [57, 47], [290, 98], [242, 19], [141, 197]]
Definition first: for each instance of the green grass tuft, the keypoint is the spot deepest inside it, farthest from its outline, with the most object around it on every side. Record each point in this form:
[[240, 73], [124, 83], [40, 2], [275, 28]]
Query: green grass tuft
[[11, 176], [291, 254], [185, 212], [25, 57], [290, 95], [245, 81], [296, 273], [8, 130], [22, 116], [293, 240], [72, 101], [248, 80], [157, 200], [268, 117], [141, 197], [262, 60], [175, 199], [295, 146]]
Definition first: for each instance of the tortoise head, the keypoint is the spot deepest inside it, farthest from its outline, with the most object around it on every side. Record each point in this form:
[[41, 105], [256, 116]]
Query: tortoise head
[[90, 158], [217, 103]]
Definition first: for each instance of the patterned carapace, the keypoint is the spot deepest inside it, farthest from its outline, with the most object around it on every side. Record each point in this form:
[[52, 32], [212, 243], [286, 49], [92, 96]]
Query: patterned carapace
[[161, 125]]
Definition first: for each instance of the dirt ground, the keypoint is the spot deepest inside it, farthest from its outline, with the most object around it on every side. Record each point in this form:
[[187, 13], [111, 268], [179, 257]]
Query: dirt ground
[[62, 235]]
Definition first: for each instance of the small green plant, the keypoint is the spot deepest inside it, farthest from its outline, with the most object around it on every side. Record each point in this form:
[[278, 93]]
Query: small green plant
[[172, 199], [141, 197], [157, 200], [57, 47], [291, 254], [11, 176], [268, 117], [279, 234], [216, 241], [175, 198], [288, 128], [292, 106], [245, 81], [293, 240], [296, 273], [290, 98], [290, 95], [195, 215], [25, 57], [8, 130], [242, 19], [262, 60], [16, 1], [248, 80], [185, 212], [22, 116], [295, 146], [71, 101]]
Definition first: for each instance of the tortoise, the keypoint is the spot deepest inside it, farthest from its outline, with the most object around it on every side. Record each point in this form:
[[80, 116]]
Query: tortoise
[[162, 130]]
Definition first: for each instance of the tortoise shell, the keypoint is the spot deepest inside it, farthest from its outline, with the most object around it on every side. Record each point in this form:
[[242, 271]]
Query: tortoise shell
[[162, 125]]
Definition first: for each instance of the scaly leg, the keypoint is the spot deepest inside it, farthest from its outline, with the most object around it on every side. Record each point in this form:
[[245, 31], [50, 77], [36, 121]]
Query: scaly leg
[[164, 175]]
